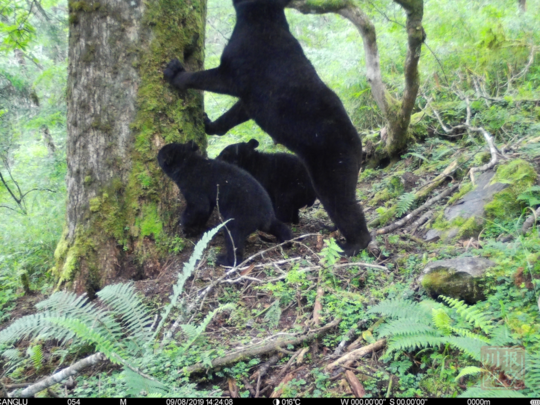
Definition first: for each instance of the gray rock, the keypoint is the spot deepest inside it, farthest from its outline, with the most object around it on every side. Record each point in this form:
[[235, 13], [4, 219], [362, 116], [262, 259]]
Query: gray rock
[[470, 205], [461, 278]]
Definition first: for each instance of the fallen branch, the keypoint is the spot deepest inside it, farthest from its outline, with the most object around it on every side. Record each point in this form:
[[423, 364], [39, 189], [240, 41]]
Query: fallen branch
[[356, 386], [529, 221], [492, 150], [349, 335], [249, 352], [60, 376], [436, 182], [356, 354], [403, 221], [419, 222], [263, 370]]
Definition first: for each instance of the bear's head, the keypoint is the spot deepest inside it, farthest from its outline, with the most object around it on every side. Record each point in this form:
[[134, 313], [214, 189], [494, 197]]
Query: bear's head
[[173, 155], [238, 153]]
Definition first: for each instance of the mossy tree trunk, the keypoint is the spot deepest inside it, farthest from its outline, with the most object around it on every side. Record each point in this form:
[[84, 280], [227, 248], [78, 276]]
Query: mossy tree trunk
[[397, 113], [121, 211]]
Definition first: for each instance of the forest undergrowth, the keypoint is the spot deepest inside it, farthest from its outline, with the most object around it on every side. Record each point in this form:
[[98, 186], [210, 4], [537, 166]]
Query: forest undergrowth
[[298, 321]]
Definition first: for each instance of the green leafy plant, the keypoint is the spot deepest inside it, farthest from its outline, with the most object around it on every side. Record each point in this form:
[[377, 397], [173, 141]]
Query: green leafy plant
[[119, 326], [404, 204], [531, 196]]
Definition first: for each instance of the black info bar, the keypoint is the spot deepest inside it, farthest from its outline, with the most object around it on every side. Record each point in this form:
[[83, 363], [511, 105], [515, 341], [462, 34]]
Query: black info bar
[[271, 401]]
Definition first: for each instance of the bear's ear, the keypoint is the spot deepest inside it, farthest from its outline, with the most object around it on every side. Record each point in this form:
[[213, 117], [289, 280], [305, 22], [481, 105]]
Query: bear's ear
[[253, 143], [193, 146]]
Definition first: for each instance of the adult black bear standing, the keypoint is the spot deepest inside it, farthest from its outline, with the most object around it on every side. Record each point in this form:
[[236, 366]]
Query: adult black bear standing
[[264, 66], [282, 175], [241, 197]]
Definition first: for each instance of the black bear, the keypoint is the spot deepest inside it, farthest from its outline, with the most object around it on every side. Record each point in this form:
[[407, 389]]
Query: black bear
[[282, 175], [277, 86], [205, 183]]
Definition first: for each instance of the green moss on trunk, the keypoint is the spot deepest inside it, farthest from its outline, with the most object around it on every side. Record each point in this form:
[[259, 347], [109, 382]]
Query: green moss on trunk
[[130, 216]]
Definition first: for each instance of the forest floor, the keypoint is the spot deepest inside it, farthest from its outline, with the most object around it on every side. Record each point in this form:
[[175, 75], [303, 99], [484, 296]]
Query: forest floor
[[291, 292]]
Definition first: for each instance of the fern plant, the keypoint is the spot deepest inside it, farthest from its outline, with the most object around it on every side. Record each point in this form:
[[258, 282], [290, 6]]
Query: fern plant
[[427, 324], [119, 326], [404, 204], [414, 326]]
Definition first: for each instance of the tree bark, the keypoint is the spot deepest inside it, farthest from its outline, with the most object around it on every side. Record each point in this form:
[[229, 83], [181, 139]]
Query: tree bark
[[523, 5], [120, 208], [396, 112]]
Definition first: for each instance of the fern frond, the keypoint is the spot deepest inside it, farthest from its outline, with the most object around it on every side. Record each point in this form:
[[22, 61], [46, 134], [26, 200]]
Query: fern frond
[[404, 204], [126, 304], [470, 313], [190, 331], [471, 370], [399, 308], [404, 326], [136, 384], [441, 320], [502, 336], [36, 355], [34, 326], [273, 315], [407, 342], [111, 349], [185, 273], [471, 347], [532, 376], [202, 326], [471, 335], [11, 354], [477, 392]]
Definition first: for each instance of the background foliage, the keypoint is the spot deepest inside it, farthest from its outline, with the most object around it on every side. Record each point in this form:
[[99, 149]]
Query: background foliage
[[468, 44]]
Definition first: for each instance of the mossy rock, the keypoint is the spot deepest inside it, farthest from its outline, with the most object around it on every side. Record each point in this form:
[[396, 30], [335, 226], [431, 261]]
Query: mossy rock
[[519, 175], [465, 217], [461, 278]]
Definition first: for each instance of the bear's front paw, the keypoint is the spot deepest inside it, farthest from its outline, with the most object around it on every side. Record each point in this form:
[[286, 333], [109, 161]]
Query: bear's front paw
[[173, 69]]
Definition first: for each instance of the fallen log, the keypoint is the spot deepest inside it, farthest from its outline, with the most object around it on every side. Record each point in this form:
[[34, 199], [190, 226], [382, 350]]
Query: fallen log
[[248, 352]]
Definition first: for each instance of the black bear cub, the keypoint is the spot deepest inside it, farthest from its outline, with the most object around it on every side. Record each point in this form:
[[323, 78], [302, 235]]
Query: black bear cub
[[283, 175], [277, 86], [205, 183]]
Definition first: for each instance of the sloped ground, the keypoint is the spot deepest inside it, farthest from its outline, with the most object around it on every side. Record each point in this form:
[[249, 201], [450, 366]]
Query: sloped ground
[[277, 295]]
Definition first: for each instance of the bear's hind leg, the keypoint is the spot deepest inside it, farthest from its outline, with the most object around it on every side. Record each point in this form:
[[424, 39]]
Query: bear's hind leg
[[235, 241], [335, 185]]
